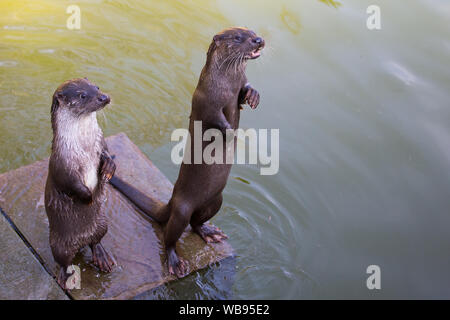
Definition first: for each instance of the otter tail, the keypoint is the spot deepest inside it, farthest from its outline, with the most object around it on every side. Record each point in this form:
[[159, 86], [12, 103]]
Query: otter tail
[[153, 209]]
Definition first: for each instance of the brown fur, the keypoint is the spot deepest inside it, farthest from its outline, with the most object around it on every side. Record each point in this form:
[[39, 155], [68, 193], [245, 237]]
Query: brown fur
[[79, 168], [197, 194]]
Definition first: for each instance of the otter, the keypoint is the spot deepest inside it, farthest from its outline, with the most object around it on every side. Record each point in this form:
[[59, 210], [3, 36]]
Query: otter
[[197, 194], [79, 167]]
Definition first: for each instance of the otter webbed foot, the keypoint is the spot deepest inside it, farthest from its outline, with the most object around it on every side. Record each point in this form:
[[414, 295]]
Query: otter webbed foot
[[62, 277], [101, 258], [210, 233], [108, 167], [177, 265]]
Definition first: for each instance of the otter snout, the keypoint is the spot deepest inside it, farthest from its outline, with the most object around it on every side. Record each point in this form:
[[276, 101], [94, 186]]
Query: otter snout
[[103, 98], [259, 43]]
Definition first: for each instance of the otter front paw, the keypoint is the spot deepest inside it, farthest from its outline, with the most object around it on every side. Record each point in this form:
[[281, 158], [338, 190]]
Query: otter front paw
[[86, 196], [108, 167], [251, 97]]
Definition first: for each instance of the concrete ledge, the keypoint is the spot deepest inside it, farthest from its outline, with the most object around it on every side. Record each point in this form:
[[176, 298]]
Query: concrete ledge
[[134, 240], [21, 274]]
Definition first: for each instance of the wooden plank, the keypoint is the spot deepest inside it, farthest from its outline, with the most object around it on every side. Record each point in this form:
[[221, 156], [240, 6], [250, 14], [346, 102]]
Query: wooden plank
[[134, 240], [21, 274]]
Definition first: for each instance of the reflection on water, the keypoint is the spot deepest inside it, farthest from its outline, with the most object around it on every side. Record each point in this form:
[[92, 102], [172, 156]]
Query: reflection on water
[[290, 21], [331, 3], [364, 126]]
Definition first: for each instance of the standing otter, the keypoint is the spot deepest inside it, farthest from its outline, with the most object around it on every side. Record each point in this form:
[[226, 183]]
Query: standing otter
[[78, 170], [197, 194]]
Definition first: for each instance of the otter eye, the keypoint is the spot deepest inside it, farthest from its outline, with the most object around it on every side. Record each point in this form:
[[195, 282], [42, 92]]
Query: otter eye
[[237, 38], [83, 95]]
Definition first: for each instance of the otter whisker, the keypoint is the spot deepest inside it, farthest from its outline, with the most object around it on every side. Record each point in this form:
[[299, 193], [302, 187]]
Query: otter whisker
[[231, 61], [225, 60], [270, 52], [269, 47], [243, 61], [238, 63], [103, 115]]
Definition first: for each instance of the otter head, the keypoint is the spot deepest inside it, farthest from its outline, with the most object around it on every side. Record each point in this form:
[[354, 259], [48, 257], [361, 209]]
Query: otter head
[[79, 97], [236, 46]]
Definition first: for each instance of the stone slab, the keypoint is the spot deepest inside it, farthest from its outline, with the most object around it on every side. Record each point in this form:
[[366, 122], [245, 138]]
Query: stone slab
[[134, 240], [22, 277]]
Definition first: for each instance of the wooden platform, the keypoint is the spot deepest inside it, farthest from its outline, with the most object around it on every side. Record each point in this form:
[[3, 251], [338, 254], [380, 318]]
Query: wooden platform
[[21, 274], [134, 240]]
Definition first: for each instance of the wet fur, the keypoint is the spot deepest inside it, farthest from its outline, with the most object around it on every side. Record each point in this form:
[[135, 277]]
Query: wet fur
[[76, 151], [197, 194], [75, 187]]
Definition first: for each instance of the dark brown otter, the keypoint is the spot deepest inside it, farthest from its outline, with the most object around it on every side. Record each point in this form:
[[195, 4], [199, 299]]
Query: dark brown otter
[[78, 170], [197, 194]]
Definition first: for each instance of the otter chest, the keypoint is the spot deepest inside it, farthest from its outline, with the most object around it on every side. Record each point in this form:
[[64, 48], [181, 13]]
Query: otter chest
[[89, 140], [81, 141], [91, 176]]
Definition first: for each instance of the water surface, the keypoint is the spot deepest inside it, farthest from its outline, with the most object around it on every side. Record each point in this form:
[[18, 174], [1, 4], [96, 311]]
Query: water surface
[[364, 123]]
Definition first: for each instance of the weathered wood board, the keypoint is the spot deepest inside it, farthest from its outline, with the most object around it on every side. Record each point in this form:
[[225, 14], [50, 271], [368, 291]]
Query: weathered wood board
[[134, 240], [21, 274]]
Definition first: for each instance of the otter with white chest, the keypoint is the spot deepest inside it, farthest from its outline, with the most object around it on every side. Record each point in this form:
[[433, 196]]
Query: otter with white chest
[[79, 168], [197, 194]]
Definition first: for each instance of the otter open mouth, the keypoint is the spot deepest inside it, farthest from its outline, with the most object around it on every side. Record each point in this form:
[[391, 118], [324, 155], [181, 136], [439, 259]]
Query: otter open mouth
[[255, 53]]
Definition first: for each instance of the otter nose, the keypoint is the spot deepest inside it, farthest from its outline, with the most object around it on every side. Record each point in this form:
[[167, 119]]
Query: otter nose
[[258, 40], [103, 98]]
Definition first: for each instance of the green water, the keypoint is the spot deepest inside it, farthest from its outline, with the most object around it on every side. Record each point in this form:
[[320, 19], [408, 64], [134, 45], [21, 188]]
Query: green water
[[364, 119]]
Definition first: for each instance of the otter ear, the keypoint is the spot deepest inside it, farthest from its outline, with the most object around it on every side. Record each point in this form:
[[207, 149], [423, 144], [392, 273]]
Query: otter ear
[[55, 104], [217, 38], [57, 98]]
